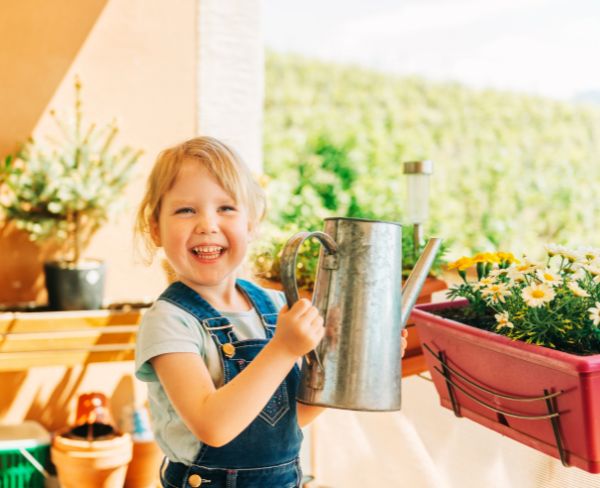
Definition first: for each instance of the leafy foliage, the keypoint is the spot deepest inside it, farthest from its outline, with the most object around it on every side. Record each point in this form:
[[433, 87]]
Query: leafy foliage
[[68, 190], [510, 169], [328, 184]]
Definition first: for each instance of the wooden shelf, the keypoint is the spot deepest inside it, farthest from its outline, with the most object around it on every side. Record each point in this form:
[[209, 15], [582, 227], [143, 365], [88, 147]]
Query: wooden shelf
[[29, 339]]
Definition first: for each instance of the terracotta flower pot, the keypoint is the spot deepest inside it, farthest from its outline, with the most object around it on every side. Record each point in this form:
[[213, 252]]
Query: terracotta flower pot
[[144, 466], [91, 464], [21, 266], [543, 398]]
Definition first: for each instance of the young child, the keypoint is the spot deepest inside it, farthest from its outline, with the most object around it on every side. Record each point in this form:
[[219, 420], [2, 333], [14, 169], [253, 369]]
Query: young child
[[219, 353]]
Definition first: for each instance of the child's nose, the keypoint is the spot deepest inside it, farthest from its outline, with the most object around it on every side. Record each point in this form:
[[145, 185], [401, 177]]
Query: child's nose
[[205, 224]]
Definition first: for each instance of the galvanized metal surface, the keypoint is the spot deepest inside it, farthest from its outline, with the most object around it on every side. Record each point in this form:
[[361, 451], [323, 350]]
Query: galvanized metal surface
[[358, 291]]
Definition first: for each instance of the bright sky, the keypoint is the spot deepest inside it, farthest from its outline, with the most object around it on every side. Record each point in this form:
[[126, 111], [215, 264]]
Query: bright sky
[[548, 47]]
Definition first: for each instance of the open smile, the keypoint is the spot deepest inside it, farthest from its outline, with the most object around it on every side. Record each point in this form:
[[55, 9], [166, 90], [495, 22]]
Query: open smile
[[208, 253]]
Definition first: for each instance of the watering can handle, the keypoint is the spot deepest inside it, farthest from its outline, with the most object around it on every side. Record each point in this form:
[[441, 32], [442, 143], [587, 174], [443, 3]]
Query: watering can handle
[[288, 270]]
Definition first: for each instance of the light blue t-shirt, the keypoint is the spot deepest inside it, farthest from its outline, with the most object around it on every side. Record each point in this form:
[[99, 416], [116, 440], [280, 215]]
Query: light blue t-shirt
[[166, 328]]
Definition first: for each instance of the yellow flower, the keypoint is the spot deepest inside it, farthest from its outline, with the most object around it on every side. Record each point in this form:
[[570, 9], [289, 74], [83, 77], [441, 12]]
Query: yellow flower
[[485, 257], [506, 257], [538, 294], [461, 264]]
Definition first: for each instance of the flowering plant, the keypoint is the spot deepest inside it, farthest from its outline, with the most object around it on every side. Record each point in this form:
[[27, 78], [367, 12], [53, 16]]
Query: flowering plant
[[66, 190], [555, 304]]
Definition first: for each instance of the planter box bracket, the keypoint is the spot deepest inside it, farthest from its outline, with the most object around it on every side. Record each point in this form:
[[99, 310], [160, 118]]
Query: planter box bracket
[[548, 397]]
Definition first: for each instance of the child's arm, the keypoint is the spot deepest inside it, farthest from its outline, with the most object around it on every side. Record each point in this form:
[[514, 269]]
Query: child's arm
[[307, 413], [217, 416]]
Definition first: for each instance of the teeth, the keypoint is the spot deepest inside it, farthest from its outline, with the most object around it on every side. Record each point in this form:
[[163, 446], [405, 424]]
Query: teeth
[[206, 249]]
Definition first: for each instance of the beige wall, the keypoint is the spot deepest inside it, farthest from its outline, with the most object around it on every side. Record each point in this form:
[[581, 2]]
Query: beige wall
[[40, 41], [165, 70], [137, 62], [49, 394]]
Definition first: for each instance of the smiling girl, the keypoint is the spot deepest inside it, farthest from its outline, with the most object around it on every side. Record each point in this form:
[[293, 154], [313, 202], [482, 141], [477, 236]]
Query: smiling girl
[[219, 353]]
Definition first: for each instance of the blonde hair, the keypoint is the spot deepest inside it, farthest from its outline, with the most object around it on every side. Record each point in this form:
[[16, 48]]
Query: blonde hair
[[220, 160]]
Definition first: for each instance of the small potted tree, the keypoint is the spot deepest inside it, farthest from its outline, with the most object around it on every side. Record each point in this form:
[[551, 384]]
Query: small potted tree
[[65, 191]]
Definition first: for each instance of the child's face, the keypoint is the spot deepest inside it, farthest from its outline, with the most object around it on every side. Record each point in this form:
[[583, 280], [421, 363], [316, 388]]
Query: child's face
[[203, 231]]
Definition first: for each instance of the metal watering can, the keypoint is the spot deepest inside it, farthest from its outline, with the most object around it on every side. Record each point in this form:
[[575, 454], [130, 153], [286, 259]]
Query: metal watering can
[[358, 291]]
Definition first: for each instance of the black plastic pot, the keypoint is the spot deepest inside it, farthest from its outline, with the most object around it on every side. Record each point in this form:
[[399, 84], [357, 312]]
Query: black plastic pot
[[75, 286]]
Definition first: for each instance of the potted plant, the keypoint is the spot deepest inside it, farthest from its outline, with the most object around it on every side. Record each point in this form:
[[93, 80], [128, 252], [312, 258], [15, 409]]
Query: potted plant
[[64, 192], [520, 351]]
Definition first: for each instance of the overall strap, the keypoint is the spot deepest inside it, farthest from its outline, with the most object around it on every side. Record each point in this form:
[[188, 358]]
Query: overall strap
[[218, 326], [262, 302], [189, 300]]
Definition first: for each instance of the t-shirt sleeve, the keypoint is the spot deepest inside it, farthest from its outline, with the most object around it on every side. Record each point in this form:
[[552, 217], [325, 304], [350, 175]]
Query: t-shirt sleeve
[[278, 298], [165, 328]]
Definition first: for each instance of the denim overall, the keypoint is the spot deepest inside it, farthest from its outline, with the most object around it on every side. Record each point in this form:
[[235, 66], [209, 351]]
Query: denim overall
[[265, 454]]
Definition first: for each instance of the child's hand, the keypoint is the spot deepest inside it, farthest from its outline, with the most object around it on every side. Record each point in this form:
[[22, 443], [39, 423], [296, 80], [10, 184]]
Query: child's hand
[[404, 342], [299, 329]]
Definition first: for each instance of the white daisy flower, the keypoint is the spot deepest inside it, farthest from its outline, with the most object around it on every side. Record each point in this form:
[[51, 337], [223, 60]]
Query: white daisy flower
[[577, 290], [515, 275], [549, 277], [593, 269], [496, 292], [484, 282], [502, 319], [589, 253], [537, 294], [571, 255], [495, 273], [554, 249], [578, 274], [595, 313], [517, 270]]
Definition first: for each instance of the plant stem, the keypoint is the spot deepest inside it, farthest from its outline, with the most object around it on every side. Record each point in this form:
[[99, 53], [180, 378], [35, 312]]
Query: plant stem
[[76, 241]]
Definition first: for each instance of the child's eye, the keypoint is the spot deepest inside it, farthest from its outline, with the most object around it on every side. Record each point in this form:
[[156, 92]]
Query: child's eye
[[227, 208], [184, 210]]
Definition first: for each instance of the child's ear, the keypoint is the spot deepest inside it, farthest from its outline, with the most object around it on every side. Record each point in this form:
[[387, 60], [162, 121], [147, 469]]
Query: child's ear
[[155, 233]]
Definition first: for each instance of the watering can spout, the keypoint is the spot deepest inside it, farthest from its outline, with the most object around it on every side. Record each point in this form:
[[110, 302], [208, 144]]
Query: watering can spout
[[414, 283]]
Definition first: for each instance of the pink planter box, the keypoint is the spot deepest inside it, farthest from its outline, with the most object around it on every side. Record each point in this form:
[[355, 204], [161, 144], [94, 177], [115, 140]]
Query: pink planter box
[[501, 384]]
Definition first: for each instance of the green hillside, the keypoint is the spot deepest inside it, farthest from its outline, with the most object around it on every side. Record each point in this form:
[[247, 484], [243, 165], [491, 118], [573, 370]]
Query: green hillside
[[511, 171]]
